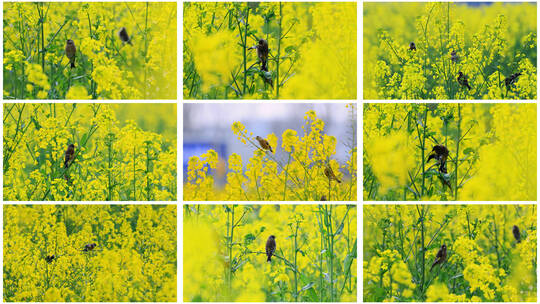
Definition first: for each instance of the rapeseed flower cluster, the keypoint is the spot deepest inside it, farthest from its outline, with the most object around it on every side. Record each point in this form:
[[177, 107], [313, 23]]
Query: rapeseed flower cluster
[[36, 66], [485, 262], [492, 151], [312, 50], [113, 160], [487, 43], [225, 258], [300, 177], [46, 257]]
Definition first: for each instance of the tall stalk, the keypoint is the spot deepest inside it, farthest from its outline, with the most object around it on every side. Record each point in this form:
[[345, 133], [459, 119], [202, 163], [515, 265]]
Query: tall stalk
[[457, 152], [278, 49]]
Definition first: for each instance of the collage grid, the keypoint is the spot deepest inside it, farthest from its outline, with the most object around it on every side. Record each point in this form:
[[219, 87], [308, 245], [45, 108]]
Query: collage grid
[[214, 193]]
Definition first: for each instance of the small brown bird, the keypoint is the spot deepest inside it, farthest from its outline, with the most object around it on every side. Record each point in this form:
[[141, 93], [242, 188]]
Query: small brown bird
[[68, 157], [454, 56], [50, 258], [440, 154], [71, 52], [89, 247], [264, 144], [412, 46], [270, 247], [440, 258], [508, 81], [517, 235], [463, 80], [330, 174], [262, 53], [123, 35]]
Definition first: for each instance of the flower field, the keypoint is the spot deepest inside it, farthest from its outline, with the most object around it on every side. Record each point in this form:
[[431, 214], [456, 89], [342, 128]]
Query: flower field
[[450, 253], [490, 152], [132, 159], [307, 170], [225, 256], [139, 64], [418, 50], [310, 50], [89, 253]]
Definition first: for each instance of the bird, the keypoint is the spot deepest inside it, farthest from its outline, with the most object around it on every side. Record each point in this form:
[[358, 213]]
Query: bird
[[123, 35], [330, 174], [508, 81], [71, 51], [462, 80], [323, 198], [262, 53], [70, 153], [517, 235], [454, 56], [440, 257], [270, 247], [89, 247], [50, 258], [412, 46], [440, 154], [264, 144]]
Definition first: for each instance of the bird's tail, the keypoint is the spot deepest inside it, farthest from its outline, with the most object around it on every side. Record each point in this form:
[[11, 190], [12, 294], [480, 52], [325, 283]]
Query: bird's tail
[[468, 86], [72, 64], [269, 259], [264, 66], [433, 265], [129, 41]]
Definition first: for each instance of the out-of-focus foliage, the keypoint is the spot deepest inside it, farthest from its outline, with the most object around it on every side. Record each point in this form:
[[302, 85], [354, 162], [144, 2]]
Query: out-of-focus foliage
[[225, 258], [134, 259], [312, 50], [491, 42], [300, 177], [36, 66], [492, 151], [113, 160], [484, 261]]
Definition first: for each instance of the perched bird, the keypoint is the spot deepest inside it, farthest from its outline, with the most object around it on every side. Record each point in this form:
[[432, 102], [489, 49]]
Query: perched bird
[[323, 198], [71, 51], [89, 247], [454, 56], [264, 143], [270, 247], [440, 257], [123, 35], [463, 81], [440, 154], [508, 81], [50, 258], [262, 53], [70, 153], [330, 174], [412, 46], [517, 235]]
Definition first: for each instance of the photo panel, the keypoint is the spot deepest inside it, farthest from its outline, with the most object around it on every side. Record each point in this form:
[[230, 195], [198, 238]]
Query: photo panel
[[90, 50], [270, 253], [90, 253], [450, 253], [270, 50], [270, 152], [450, 50], [90, 152], [450, 151]]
